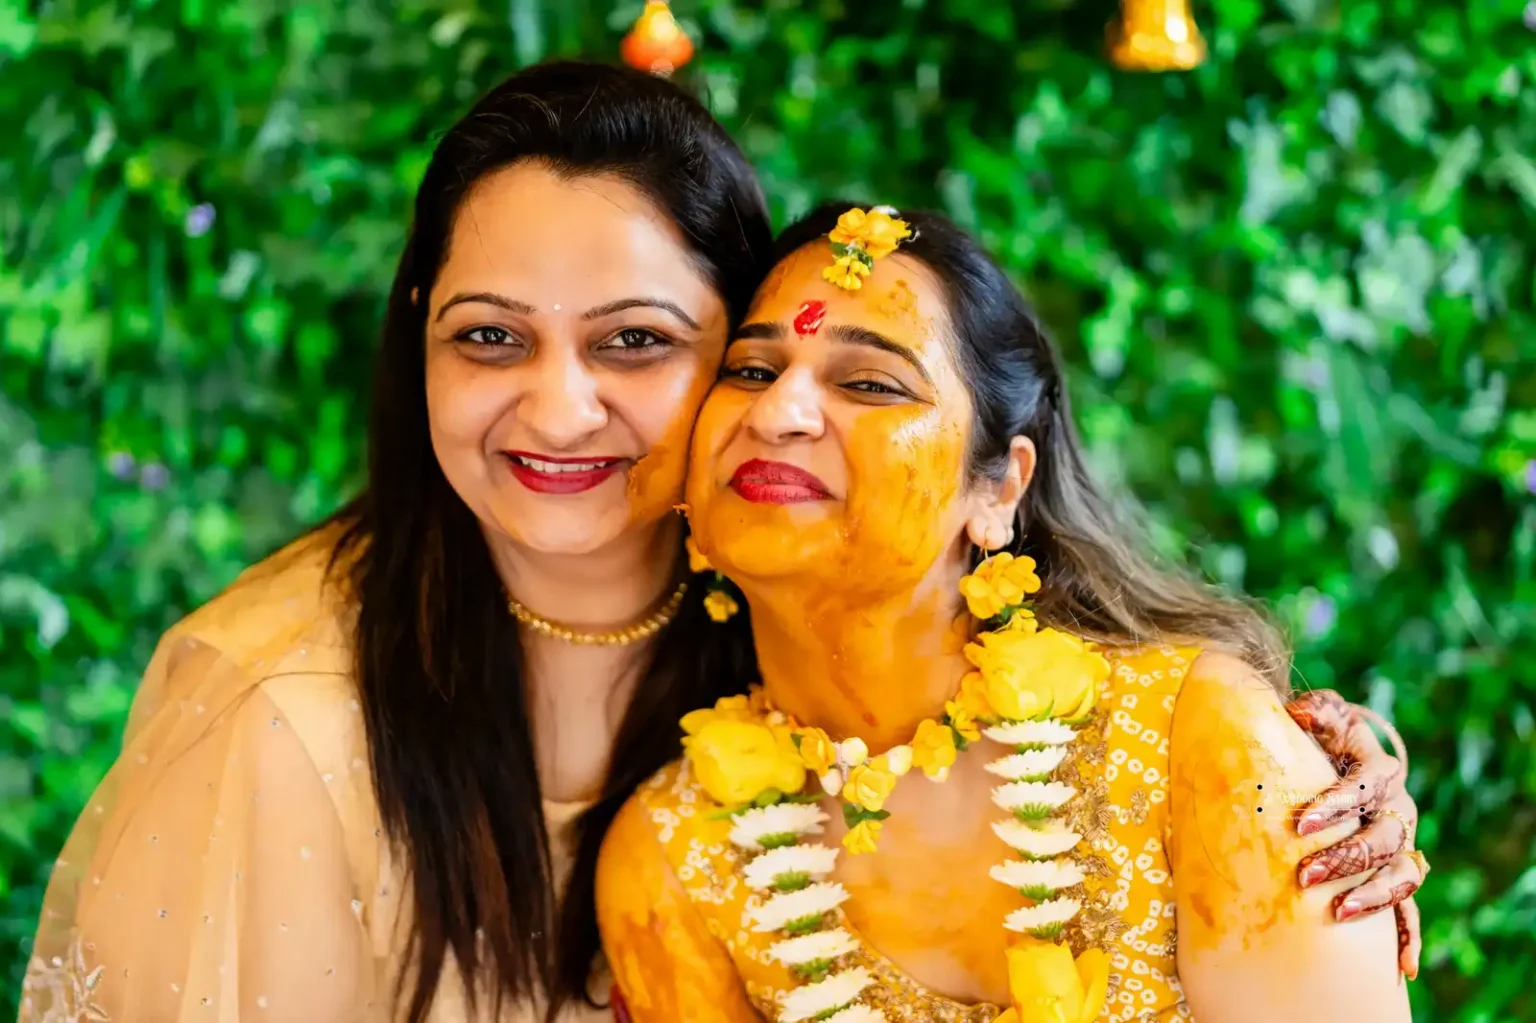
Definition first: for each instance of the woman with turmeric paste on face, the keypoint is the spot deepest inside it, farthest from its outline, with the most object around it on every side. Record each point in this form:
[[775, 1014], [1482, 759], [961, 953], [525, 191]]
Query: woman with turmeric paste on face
[[887, 470]]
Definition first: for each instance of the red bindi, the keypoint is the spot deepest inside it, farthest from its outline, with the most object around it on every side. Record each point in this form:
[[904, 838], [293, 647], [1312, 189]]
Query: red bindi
[[808, 319]]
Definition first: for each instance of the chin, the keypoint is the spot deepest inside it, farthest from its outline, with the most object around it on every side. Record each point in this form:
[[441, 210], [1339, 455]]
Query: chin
[[571, 532], [748, 568], [753, 543]]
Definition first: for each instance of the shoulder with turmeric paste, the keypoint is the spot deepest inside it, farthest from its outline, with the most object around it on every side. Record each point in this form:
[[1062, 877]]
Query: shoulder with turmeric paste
[[664, 960], [1248, 934]]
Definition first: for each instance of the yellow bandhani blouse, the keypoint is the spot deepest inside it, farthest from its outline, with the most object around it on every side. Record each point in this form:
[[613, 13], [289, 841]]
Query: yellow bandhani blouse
[[1118, 763]]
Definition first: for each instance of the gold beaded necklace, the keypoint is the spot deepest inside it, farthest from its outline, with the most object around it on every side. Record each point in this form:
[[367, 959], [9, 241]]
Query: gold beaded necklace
[[643, 629]]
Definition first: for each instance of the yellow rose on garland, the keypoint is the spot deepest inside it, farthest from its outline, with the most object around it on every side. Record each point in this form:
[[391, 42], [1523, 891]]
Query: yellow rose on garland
[[1029, 674], [737, 761], [1011, 690], [1047, 986], [1077, 669], [933, 748], [817, 750], [1001, 581], [870, 785], [727, 708]]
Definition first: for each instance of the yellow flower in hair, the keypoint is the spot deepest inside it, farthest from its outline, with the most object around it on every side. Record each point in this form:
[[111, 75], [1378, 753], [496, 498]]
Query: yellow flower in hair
[[817, 750], [1001, 581], [737, 761], [862, 838], [848, 273], [933, 748], [850, 227], [697, 562], [870, 785], [720, 605], [876, 232], [1032, 674]]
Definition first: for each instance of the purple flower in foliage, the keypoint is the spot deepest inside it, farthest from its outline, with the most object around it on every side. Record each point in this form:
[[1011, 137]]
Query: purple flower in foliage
[[155, 476], [1530, 476], [199, 220], [1321, 615], [121, 465]]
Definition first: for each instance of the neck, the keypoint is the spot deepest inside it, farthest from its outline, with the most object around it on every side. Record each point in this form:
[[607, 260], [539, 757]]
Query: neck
[[608, 588], [872, 667]]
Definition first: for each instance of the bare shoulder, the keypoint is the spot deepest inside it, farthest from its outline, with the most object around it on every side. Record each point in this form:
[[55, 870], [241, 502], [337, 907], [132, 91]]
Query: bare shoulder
[[1239, 769], [1252, 944], [1228, 711]]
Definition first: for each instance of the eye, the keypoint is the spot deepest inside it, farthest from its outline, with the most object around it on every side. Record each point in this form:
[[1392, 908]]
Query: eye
[[749, 374], [879, 391], [490, 337], [634, 339], [872, 387]]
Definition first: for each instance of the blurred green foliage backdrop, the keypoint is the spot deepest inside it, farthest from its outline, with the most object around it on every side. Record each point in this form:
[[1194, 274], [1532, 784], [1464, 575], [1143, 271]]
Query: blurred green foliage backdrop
[[1296, 286]]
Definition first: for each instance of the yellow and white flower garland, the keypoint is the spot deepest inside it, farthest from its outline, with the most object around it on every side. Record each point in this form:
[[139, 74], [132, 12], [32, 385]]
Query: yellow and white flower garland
[[1031, 687]]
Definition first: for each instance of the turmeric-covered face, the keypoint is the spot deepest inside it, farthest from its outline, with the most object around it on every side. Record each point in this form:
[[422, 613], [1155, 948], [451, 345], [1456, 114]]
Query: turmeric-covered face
[[834, 446]]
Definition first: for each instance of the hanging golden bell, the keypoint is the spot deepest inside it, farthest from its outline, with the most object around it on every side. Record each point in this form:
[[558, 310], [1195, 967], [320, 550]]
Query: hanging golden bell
[[656, 43], [1155, 35]]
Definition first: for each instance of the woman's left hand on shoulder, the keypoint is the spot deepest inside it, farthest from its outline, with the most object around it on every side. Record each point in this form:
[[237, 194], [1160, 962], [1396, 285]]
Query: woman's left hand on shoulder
[[1372, 785]]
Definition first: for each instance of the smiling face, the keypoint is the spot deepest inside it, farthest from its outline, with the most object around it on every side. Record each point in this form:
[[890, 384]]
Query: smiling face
[[570, 341], [833, 448]]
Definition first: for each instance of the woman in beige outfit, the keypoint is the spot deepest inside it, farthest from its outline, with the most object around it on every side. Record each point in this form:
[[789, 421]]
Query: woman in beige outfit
[[369, 781]]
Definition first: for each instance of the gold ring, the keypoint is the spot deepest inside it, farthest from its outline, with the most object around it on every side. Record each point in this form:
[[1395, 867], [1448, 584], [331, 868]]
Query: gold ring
[[1407, 828], [1418, 858]]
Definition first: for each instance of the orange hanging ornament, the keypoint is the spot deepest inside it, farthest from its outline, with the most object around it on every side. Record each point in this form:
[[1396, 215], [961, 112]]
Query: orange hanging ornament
[[657, 43], [1155, 35]]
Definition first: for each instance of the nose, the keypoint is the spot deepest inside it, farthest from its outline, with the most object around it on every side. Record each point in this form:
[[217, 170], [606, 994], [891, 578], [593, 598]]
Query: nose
[[562, 405], [789, 409]]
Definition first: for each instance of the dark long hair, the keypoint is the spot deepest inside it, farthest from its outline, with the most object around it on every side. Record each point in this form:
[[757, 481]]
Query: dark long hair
[[438, 659], [1099, 581]]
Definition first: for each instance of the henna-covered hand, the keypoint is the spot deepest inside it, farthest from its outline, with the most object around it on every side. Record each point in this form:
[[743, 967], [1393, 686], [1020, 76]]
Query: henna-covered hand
[[1371, 786]]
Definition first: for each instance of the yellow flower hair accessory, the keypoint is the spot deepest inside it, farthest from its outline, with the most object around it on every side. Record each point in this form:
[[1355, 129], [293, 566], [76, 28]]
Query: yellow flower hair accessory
[[858, 240]]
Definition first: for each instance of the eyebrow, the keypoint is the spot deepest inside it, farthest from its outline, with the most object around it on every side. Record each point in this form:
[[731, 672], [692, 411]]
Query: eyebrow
[[512, 305], [844, 333], [622, 304]]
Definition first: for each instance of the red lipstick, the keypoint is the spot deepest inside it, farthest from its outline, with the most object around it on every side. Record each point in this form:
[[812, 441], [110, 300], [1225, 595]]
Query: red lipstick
[[546, 474], [777, 483]]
